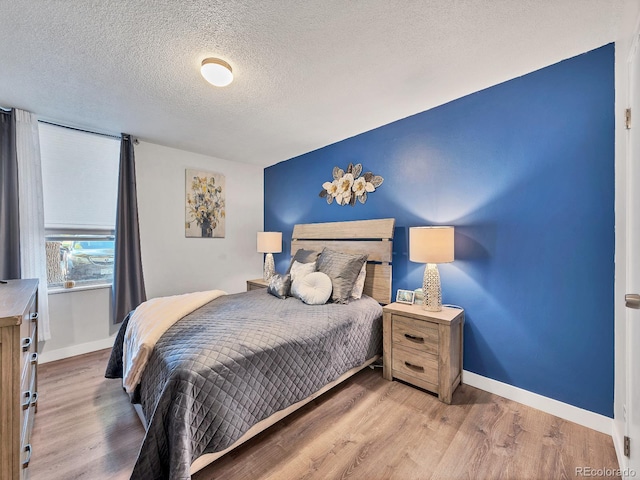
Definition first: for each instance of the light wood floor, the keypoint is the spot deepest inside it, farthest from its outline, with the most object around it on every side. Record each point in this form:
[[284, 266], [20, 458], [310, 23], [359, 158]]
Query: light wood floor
[[366, 428]]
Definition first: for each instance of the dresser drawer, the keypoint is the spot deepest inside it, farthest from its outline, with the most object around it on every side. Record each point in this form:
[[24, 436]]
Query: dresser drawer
[[26, 448], [418, 334], [28, 333], [25, 458], [28, 377], [28, 318], [28, 346], [28, 402], [27, 420], [422, 366]]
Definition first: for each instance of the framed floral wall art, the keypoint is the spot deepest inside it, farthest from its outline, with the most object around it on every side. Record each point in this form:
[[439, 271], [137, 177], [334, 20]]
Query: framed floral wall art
[[205, 204]]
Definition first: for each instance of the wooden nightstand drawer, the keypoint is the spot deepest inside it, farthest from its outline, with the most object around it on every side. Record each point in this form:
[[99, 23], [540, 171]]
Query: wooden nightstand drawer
[[423, 348], [256, 284], [417, 334], [419, 365]]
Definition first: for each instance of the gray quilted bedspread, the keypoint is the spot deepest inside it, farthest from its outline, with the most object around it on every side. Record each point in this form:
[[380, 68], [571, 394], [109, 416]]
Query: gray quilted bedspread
[[235, 361]]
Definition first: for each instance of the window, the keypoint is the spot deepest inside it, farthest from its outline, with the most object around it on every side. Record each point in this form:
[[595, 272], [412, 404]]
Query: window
[[80, 183], [83, 259]]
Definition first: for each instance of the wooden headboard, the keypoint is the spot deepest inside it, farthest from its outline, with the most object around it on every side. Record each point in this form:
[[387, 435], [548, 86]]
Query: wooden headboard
[[373, 237]]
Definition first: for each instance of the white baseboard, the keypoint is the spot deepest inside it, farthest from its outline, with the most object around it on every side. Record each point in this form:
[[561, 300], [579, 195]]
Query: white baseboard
[[565, 411], [72, 351]]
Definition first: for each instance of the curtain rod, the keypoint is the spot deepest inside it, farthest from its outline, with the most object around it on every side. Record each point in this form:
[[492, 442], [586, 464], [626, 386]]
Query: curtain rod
[[108, 135], [119, 137]]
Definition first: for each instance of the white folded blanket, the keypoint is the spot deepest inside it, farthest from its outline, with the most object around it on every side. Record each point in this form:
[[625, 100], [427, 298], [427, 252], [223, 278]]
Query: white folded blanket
[[147, 324]]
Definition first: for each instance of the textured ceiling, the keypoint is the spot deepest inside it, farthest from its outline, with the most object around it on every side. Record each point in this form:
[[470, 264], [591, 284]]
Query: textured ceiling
[[307, 74]]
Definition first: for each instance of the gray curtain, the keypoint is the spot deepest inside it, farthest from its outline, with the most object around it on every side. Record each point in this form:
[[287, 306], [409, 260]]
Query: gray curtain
[[9, 217], [128, 280]]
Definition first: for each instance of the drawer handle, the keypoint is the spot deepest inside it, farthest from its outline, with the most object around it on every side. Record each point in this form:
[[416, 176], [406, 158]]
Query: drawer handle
[[34, 358], [27, 402], [413, 338], [26, 343], [27, 448], [34, 399], [34, 317], [415, 368]]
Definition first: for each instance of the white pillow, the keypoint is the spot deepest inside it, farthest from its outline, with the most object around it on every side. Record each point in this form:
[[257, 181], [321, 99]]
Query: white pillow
[[299, 270], [312, 289], [358, 287]]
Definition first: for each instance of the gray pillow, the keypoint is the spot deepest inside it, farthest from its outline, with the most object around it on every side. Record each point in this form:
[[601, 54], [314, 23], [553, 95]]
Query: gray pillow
[[280, 286], [303, 256], [343, 270]]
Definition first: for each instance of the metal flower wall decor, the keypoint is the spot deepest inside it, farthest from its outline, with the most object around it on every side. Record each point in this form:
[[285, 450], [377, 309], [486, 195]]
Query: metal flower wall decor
[[349, 186]]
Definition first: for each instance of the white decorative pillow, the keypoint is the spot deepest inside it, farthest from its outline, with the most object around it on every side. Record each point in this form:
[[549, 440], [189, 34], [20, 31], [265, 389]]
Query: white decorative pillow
[[299, 270], [312, 289], [358, 287]]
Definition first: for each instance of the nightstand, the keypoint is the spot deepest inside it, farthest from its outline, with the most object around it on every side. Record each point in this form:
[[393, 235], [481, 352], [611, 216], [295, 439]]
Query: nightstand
[[256, 284], [423, 348]]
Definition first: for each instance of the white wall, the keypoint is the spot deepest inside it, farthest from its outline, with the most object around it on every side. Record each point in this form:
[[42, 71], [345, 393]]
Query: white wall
[[80, 323], [172, 264], [175, 264]]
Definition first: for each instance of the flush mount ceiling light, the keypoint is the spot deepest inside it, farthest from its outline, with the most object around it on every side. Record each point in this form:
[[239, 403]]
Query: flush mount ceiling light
[[217, 72]]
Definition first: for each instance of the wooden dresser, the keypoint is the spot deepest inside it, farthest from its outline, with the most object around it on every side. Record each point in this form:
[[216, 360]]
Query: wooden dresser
[[423, 348], [18, 369]]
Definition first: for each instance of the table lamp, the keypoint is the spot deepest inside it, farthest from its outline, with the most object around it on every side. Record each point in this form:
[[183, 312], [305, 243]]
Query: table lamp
[[431, 245], [269, 243]]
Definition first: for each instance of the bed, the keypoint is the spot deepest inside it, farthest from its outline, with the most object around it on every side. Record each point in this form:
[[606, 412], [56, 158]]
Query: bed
[[241, 362]]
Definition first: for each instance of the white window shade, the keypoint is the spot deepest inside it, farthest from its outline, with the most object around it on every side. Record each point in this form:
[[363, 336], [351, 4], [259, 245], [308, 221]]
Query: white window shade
[[80, 178]]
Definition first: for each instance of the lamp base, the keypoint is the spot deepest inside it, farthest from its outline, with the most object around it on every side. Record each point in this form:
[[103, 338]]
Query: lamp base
[[269, 267], [431, 288]]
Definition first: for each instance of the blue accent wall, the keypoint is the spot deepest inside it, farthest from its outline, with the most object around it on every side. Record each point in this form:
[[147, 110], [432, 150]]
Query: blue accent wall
[[525, 172]]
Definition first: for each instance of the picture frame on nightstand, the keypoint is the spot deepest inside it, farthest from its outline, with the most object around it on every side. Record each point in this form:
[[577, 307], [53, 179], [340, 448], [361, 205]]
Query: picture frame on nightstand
[[405, 296]]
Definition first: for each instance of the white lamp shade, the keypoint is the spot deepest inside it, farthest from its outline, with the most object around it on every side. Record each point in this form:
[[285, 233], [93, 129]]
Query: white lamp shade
[[431, 244], [269, 242], [217, 72]]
